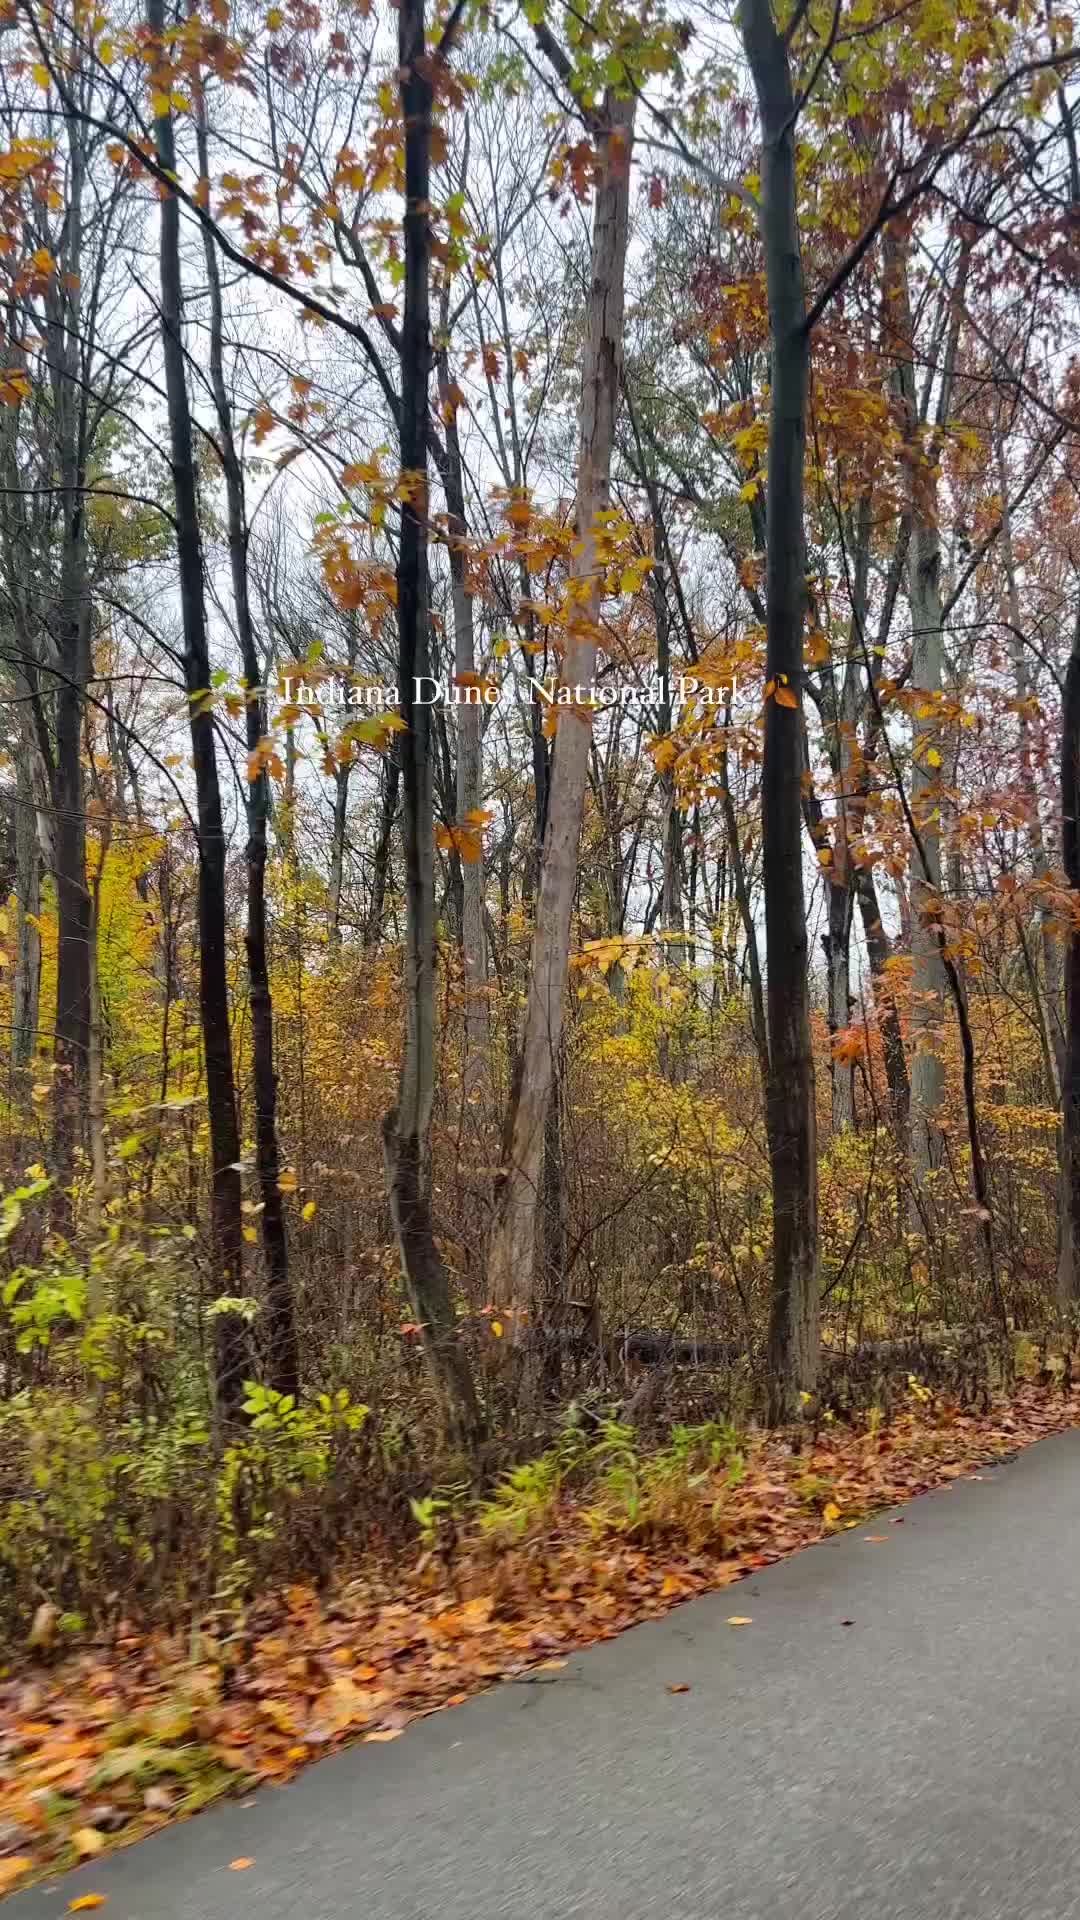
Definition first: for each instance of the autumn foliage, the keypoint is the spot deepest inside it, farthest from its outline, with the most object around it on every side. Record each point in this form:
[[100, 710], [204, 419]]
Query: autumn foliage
[[539, 874]]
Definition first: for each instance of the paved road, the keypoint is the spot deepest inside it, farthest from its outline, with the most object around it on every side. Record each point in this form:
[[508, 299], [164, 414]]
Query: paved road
[[920, 1764]]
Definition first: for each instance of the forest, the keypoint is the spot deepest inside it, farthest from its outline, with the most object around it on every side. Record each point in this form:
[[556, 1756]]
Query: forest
[[539, 821]]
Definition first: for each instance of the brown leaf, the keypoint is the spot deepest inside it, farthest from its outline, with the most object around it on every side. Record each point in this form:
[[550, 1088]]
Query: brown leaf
[[241, 1865], [678, 1686]]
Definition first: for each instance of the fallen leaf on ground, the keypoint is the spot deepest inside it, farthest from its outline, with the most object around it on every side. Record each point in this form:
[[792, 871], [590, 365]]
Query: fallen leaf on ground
[[427, 1636], [740, 1620], [240, 1866], [86, 1902], [679, 1686], [13, 1869], [88, 1841], [876, 1539]]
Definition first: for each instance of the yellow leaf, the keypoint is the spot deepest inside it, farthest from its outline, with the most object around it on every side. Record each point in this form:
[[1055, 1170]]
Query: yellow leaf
[[13, 1869], [14, 386], [86, 1902], [241, 1865], [41, 75], [309, 1209], [250, 1236], [275, 19], [287, 1181], [497, 1329], [831, 1513], [933, 758], [740, 1620], [88, 1841]]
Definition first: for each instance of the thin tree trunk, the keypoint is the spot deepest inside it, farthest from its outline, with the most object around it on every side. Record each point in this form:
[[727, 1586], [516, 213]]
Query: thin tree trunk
[[226, 1191], [281, 1341], [1051, 950], [99, 1172], [879, 951], [388, 807], [924, 877], [513, 1242], [406, 1127], [26, 986], [672, 920], [470, 778], [73, 628], [791, 1116], [1069, 1256], [337, 850], [837, 944]]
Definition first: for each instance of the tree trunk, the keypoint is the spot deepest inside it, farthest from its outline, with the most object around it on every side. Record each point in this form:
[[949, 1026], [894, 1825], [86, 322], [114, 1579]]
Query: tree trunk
[[282, 1346], [879, 951], [672, 920], [337, 849], [513, 1241], [791, 1116], [388, 807], [924, 877], [1051, 950], [470, 783], [226, 1191], [26, 986], [73, 647], [406, 1127], [1069, 1257], [837, 944], [99, 1167]]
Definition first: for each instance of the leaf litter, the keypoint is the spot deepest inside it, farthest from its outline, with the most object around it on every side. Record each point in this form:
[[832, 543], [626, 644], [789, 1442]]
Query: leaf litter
[[163, 1730]]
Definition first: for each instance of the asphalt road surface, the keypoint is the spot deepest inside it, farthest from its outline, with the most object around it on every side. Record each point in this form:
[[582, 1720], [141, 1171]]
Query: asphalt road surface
[[921, 1763]]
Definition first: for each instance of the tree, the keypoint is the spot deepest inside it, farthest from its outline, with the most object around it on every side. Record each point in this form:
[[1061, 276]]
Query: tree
[[512, 1246], [226, 1191], [406, 1126], [793, 1329]]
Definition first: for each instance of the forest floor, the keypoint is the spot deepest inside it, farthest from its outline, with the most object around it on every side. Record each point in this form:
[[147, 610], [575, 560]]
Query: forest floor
[[102, 1745]]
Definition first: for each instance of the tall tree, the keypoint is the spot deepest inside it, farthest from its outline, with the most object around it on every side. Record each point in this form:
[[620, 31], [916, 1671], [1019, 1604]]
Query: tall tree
[[512, 1248], [406, 1127], [226, 1192], [282, 1347], [791, 1115]]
